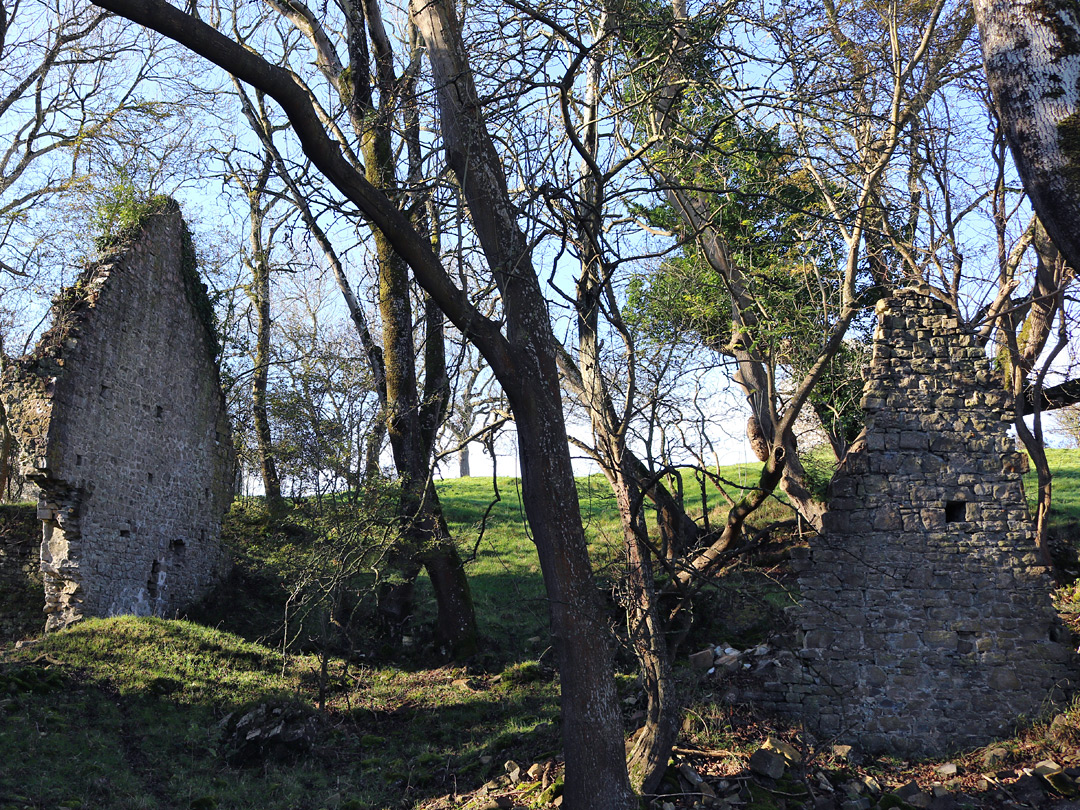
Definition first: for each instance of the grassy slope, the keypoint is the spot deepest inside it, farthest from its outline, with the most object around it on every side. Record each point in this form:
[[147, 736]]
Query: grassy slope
[[1065, 515], [127, 713]]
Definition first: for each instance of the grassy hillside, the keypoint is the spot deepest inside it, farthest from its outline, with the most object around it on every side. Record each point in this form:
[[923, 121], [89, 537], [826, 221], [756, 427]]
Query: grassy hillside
[[1065, 515], [145, 713], [134, 713]]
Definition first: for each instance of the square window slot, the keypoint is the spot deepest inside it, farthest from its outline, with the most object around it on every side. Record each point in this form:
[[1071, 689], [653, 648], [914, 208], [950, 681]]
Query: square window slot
[[955, 511]]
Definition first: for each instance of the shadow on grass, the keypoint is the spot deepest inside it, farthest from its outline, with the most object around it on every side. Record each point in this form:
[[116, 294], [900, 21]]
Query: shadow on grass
[[133, 713]]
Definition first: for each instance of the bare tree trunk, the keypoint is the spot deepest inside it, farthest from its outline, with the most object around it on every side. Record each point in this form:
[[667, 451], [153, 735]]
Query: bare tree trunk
[[1031, 49], [410, 422], [596, 774], [412, 442], [1037, 451], [456, 614], [648, 758], [1033, 439], [373, 444], [260, 295], [1018, 355]]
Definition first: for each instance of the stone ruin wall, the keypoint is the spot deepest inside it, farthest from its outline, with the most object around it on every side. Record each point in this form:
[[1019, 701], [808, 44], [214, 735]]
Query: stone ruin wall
[[20, 571], [121, 422], [925, 623]]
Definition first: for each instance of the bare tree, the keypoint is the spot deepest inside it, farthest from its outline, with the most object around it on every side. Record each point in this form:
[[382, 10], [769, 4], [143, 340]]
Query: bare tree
[[522, 357], [477, 408], [411, 415], [258, 262]]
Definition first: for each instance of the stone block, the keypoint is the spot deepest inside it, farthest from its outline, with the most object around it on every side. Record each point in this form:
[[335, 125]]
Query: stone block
[[887, 519], [767, 763], [1003, 679], [701, 661], [791, 755]]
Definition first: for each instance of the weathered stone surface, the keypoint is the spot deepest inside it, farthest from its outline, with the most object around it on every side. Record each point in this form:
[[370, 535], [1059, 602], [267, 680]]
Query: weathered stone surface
[[767, 763], [790, 754], [269, 731], [912, 794], [925, 622], [688, 773], [702, 660], [1056, 777], [20, 572], [120, 420]]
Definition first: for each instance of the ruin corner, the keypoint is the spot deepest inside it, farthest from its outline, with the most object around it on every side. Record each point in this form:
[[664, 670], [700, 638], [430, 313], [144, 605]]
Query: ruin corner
[[119, 419]]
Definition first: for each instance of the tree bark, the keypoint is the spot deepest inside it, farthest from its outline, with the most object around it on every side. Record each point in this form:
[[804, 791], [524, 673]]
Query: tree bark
[[1031, 49], [456, 618], [409, 422], [649, 756], [260, 298]]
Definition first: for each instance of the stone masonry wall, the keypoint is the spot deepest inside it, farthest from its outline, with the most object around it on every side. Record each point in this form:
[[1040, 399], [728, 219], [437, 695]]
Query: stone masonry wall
[[20, 572], [121, 422], [925, 619]]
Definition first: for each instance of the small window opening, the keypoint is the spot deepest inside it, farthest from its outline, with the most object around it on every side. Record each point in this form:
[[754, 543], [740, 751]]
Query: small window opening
[[955, 511], [78, 460], [152, 583], [159, 412], [125, 533], [150, 478]]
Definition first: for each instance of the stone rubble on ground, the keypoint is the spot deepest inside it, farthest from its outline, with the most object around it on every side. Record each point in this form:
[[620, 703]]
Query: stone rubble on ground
[[767, 763], [722, 660], [270, 731], [780, 777]]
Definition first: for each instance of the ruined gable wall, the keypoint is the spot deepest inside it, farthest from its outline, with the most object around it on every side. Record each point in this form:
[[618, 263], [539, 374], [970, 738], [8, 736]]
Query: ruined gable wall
[[20, 574], [121, 422], [925, 622]]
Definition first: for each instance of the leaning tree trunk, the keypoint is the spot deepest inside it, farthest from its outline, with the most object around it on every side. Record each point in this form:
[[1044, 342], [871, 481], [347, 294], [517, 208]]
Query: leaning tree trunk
[[407, 418], [421, 518], [596, 775], [522, 359], [1031, 49]]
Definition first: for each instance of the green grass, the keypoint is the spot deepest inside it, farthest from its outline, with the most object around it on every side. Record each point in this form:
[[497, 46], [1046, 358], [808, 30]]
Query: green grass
[[128, 713], [1065, 513], [132, 713]]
